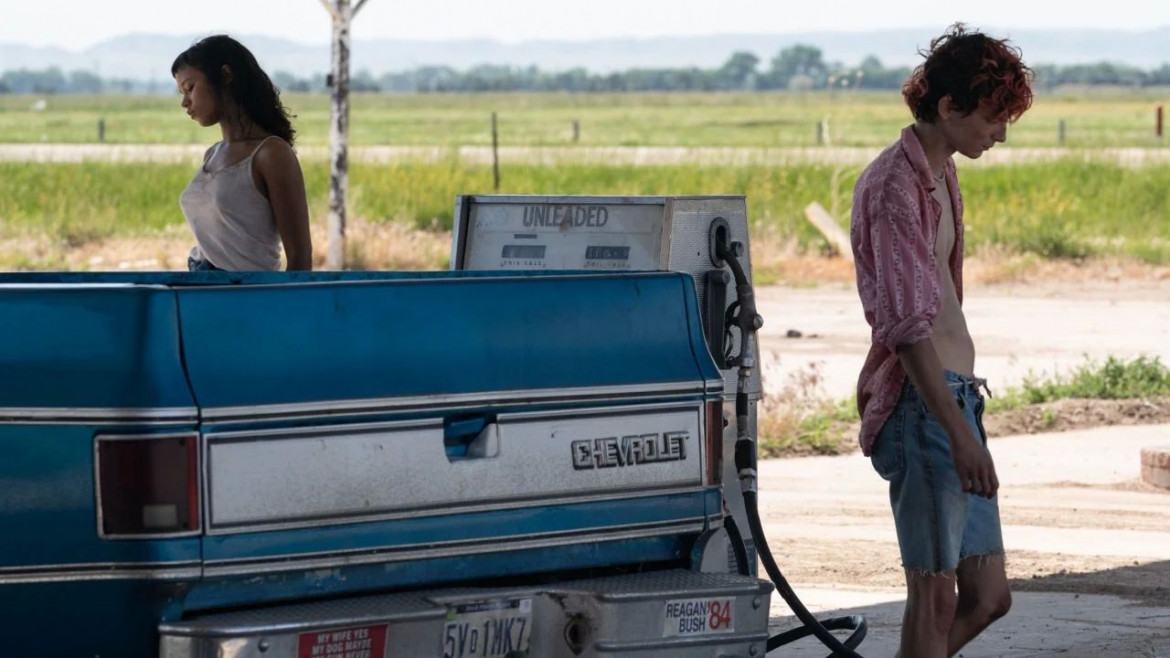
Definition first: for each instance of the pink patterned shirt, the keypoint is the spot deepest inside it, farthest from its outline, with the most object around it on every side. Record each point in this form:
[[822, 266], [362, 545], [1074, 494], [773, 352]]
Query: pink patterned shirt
[[894, 226]]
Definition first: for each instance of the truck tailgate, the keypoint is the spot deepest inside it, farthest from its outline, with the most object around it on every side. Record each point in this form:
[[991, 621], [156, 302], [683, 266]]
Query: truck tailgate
[[344, 428]]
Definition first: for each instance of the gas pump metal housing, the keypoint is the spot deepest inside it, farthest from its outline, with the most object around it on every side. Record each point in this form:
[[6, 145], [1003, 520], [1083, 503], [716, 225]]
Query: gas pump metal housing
[[523, 232]]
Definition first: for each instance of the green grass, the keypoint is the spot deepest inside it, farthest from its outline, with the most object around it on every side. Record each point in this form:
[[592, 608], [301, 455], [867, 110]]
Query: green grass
[[1053, 210], [1070, 210], [75, 203], [681, 119], [1115, 379], [830, 428]]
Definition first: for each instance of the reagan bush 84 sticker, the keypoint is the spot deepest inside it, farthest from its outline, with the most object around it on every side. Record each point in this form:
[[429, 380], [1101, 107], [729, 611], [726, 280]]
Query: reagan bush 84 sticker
[[698, 617]]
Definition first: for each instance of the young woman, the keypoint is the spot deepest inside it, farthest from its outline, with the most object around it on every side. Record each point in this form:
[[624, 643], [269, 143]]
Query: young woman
[[247, 201]]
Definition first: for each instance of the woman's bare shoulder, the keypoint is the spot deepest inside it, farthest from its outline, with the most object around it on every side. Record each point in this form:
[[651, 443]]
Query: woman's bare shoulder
[[276, 156]]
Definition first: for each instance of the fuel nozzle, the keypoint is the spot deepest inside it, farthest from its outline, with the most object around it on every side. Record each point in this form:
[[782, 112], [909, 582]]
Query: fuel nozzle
[[742, 315], [745, 463]]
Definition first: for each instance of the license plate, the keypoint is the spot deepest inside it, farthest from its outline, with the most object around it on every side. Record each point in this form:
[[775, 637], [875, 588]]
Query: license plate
[[350, 642], [685, 617], [487, 629]]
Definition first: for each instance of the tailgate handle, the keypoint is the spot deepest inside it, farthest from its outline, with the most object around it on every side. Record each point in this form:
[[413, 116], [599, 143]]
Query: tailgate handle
[[471, 438]]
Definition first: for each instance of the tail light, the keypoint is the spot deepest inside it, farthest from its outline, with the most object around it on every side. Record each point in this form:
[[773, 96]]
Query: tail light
[[148, 485], [714, 441]]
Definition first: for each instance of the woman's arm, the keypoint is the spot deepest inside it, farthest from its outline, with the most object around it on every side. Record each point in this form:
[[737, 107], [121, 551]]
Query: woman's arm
[[278, 168]]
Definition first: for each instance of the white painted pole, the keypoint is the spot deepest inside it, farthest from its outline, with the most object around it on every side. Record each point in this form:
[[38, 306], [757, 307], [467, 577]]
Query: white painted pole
[[342, 14]]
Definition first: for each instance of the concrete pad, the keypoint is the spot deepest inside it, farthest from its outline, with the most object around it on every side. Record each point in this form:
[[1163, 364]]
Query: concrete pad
[[1040, 624]]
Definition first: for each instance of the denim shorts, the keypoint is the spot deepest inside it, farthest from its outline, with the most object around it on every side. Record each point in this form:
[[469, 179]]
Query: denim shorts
[[938, 524]]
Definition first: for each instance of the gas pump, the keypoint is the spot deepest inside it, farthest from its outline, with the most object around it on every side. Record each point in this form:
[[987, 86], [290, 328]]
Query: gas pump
[[614, 234], [706, 237]]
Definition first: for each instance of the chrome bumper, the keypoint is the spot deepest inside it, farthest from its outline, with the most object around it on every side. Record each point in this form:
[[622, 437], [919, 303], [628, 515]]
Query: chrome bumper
[[649, 614]]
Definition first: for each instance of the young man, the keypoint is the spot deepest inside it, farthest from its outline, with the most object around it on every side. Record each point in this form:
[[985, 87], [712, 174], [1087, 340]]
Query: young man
[[919, 399]]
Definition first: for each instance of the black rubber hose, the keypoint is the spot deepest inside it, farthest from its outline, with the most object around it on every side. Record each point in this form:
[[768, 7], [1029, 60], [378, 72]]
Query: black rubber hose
[[811, 625], [748, 321], [835, 624]]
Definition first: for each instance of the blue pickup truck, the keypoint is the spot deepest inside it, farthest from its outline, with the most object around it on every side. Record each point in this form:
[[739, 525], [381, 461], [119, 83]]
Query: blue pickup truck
[[457, 464]]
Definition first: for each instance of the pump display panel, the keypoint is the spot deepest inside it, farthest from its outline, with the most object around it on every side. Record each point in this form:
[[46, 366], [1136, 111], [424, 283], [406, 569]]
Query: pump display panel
[[539, 233]]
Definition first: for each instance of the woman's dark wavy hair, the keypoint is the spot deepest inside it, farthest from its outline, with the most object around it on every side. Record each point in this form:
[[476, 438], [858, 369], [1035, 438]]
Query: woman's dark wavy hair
[[976, 71], [250, 87]]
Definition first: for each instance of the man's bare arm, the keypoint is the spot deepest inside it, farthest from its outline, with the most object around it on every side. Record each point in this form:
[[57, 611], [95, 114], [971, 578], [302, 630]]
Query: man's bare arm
[[972, 460]]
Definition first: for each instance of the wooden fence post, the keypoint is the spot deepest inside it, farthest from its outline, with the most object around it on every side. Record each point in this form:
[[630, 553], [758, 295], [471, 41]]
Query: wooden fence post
[[823, 137], [837, 237]]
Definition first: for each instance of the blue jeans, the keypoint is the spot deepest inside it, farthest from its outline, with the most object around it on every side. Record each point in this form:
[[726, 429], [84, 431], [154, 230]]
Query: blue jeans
[[938, 524]]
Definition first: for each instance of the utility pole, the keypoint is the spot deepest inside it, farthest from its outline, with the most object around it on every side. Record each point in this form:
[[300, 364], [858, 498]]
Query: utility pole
[[342, 13]]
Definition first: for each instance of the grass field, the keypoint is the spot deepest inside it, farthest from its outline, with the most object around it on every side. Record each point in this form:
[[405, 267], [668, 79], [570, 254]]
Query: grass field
[[683, 119], [1063, 209], [1055, 210]]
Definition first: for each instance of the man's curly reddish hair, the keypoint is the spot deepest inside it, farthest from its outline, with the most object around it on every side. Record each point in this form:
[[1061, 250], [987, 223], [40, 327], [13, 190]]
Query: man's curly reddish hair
[[976, 71]]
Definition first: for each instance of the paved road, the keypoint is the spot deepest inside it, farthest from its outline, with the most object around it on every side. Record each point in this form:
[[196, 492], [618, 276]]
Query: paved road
[[552, 155]]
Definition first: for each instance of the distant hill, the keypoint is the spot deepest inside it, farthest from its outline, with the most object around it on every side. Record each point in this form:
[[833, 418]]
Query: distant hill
[[148, 56]]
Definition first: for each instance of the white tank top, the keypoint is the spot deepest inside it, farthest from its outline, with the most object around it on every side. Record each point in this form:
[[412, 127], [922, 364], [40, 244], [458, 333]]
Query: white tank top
[[233, 223]]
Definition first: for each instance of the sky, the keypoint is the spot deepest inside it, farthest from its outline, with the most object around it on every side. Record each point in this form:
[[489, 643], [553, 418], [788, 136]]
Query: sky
[[41, 22]]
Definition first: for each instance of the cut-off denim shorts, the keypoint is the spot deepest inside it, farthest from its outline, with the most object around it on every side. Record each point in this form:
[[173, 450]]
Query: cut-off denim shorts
[[939, 525]]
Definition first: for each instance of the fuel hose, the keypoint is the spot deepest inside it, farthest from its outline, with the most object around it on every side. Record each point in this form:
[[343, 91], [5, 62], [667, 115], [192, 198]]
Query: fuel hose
[[742, 315]]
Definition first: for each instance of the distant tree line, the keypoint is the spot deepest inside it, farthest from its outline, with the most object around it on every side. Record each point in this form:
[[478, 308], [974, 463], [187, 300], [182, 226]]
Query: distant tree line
[[799, 67], [54, 81]]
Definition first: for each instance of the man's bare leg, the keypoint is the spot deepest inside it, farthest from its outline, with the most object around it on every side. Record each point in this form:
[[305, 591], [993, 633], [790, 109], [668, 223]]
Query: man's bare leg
[[930, 611], [984, 596]]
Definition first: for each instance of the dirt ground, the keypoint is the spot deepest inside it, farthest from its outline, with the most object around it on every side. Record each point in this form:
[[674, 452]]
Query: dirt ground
[[1088, 545], [1027, 318], [1088, 542], [1082, 523], [1064, 415]]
